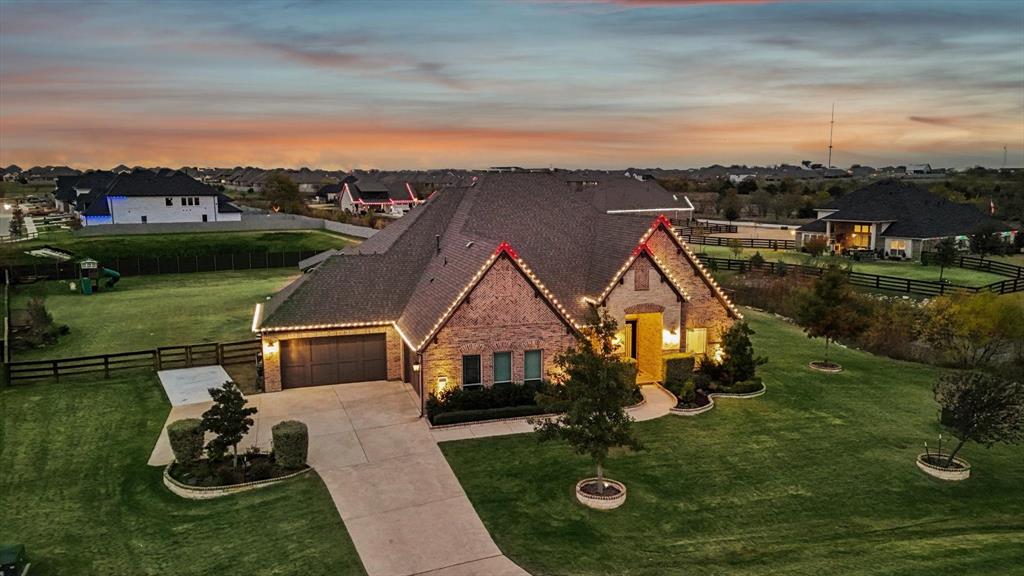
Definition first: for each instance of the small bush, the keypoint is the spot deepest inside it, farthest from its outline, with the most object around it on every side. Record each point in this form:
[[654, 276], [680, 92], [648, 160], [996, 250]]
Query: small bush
[[745, 387], [678, 370], [186, 439], [756, 261], [261, 470], [291, 443], [487, 414], [497, 396]]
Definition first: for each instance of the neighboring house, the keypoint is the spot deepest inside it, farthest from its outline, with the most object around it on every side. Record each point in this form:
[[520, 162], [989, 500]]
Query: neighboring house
[[894, 219], [74, 193], [48, 174], [918, 169], [367, 194], [488, 283], [146, 197], [11, 172]]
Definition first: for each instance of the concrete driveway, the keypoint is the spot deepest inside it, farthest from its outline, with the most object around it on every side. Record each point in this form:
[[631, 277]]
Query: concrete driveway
[[402, 505]]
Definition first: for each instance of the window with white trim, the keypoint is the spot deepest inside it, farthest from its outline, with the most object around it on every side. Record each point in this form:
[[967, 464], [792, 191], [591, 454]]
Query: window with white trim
[[471, 371], [532, 366], [502, 367]]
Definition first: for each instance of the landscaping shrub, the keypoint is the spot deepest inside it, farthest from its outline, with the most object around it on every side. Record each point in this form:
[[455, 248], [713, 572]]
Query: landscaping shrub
[[745, 387], [486, 414], [186, 439], [261, 470], [756, 261], [291, 443], [678, 369], [41, 329], [488, 398]]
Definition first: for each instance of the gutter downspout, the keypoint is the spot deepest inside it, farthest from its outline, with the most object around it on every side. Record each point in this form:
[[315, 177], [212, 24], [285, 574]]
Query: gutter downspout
[[419, 376]]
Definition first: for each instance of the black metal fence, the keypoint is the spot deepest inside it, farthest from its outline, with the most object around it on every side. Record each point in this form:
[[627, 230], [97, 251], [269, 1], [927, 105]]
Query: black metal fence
[[142, 266], [166, 357], [866, 280]]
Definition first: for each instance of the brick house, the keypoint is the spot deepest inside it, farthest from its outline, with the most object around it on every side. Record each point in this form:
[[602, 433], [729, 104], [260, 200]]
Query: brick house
[[487, 283]]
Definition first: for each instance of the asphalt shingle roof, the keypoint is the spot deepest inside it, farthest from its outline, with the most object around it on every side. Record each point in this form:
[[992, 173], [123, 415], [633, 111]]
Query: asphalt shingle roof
[[913, 211], [412, 270]]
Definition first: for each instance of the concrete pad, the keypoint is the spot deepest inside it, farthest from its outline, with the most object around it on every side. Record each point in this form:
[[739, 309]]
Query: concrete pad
[[381, 411], [190, 385], [318, 423], [335, 451], [520, 427], [393, 484], [394, 441], [414, 540], [364, 390], [658, 402], [494, 566], [299, 401]]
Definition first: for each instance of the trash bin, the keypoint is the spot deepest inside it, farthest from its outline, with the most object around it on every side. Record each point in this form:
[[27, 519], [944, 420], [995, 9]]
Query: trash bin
[[86, 284]]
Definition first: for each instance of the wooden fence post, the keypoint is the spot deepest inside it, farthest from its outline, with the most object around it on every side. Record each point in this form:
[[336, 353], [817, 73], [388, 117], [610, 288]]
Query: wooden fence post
[[56, 371], [106, 366]]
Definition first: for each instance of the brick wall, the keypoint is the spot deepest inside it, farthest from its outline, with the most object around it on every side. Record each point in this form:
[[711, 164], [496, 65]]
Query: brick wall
[[703, 309], [503, 314], [272, 363]]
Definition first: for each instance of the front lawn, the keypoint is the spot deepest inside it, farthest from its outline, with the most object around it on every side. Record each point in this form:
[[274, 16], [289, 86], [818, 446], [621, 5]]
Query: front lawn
[[76, 490], [815, 477], [143, 312], [909, 269], [107, 248]]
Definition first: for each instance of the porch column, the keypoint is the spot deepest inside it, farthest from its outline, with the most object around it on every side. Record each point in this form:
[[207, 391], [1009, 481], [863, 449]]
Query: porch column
[[873, 229]]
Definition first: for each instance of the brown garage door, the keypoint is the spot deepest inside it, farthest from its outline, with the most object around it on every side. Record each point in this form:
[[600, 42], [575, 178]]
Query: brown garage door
[[333, 360]]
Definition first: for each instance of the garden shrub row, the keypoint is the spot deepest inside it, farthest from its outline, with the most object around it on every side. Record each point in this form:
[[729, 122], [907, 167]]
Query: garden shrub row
[[463, 416], [498, 396]]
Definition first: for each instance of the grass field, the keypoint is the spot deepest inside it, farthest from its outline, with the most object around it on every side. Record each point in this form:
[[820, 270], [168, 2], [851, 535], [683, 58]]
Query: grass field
[[815, 477], [143, 312], [77, 492], [107, 248], [16, 190], [912, 270]]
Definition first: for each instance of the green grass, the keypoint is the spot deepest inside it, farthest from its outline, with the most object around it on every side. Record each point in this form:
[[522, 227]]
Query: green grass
[[815, 477], [77, 492], [17, 190], [107, 248], [912, 270], [144, 312]]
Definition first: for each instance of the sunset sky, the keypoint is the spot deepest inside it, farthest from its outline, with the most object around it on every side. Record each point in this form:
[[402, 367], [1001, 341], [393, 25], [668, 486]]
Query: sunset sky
[[603, 84]]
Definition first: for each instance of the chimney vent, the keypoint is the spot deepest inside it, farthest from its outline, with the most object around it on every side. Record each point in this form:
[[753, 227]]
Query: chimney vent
[[437, 242]]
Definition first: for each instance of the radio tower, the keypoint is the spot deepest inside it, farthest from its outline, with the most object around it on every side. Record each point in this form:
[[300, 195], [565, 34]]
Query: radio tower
[[831, 126]]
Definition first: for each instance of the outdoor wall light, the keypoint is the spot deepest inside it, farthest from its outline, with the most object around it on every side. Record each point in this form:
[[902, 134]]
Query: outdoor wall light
[[270, 348], [416, 367]]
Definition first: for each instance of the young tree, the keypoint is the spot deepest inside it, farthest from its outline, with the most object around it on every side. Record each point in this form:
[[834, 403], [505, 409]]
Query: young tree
[[738, 361], [985, 241], [747, 186], [980, 407], [282, 193], [17, 225], [229, 419], [816, 245], [730, 206], [831, 310], [595, 386], [735, 246], [974, 329], [762, 199], [945, 255]]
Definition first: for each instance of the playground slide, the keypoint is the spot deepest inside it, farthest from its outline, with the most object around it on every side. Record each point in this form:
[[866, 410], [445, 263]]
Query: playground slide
[[113, 276]]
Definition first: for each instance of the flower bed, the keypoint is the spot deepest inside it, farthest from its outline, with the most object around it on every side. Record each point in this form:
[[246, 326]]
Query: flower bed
[[498, 402], [826, 367], [736, 391], [194, 492], [205, 473]]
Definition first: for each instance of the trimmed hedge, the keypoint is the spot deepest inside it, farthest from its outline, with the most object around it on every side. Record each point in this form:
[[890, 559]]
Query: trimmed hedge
[[291, 443], [186, 439], [678, 368], [486, 414], [498, 396]]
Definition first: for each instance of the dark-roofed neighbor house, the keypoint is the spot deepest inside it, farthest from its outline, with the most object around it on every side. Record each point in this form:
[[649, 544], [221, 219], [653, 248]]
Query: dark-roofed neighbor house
[[368, 194], [146, 197], [895, 219], [487, 283]]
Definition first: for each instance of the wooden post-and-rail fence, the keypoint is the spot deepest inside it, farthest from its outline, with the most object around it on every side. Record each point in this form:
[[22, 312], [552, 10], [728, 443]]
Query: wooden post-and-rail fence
[[163, 358]]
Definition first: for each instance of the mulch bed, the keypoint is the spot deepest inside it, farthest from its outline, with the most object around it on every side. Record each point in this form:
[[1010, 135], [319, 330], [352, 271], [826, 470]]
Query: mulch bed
[[207, 473], [940, 462], [597, 489]]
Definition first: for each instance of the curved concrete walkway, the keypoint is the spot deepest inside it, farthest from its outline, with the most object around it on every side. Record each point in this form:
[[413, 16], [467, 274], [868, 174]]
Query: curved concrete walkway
[[401, 502]]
